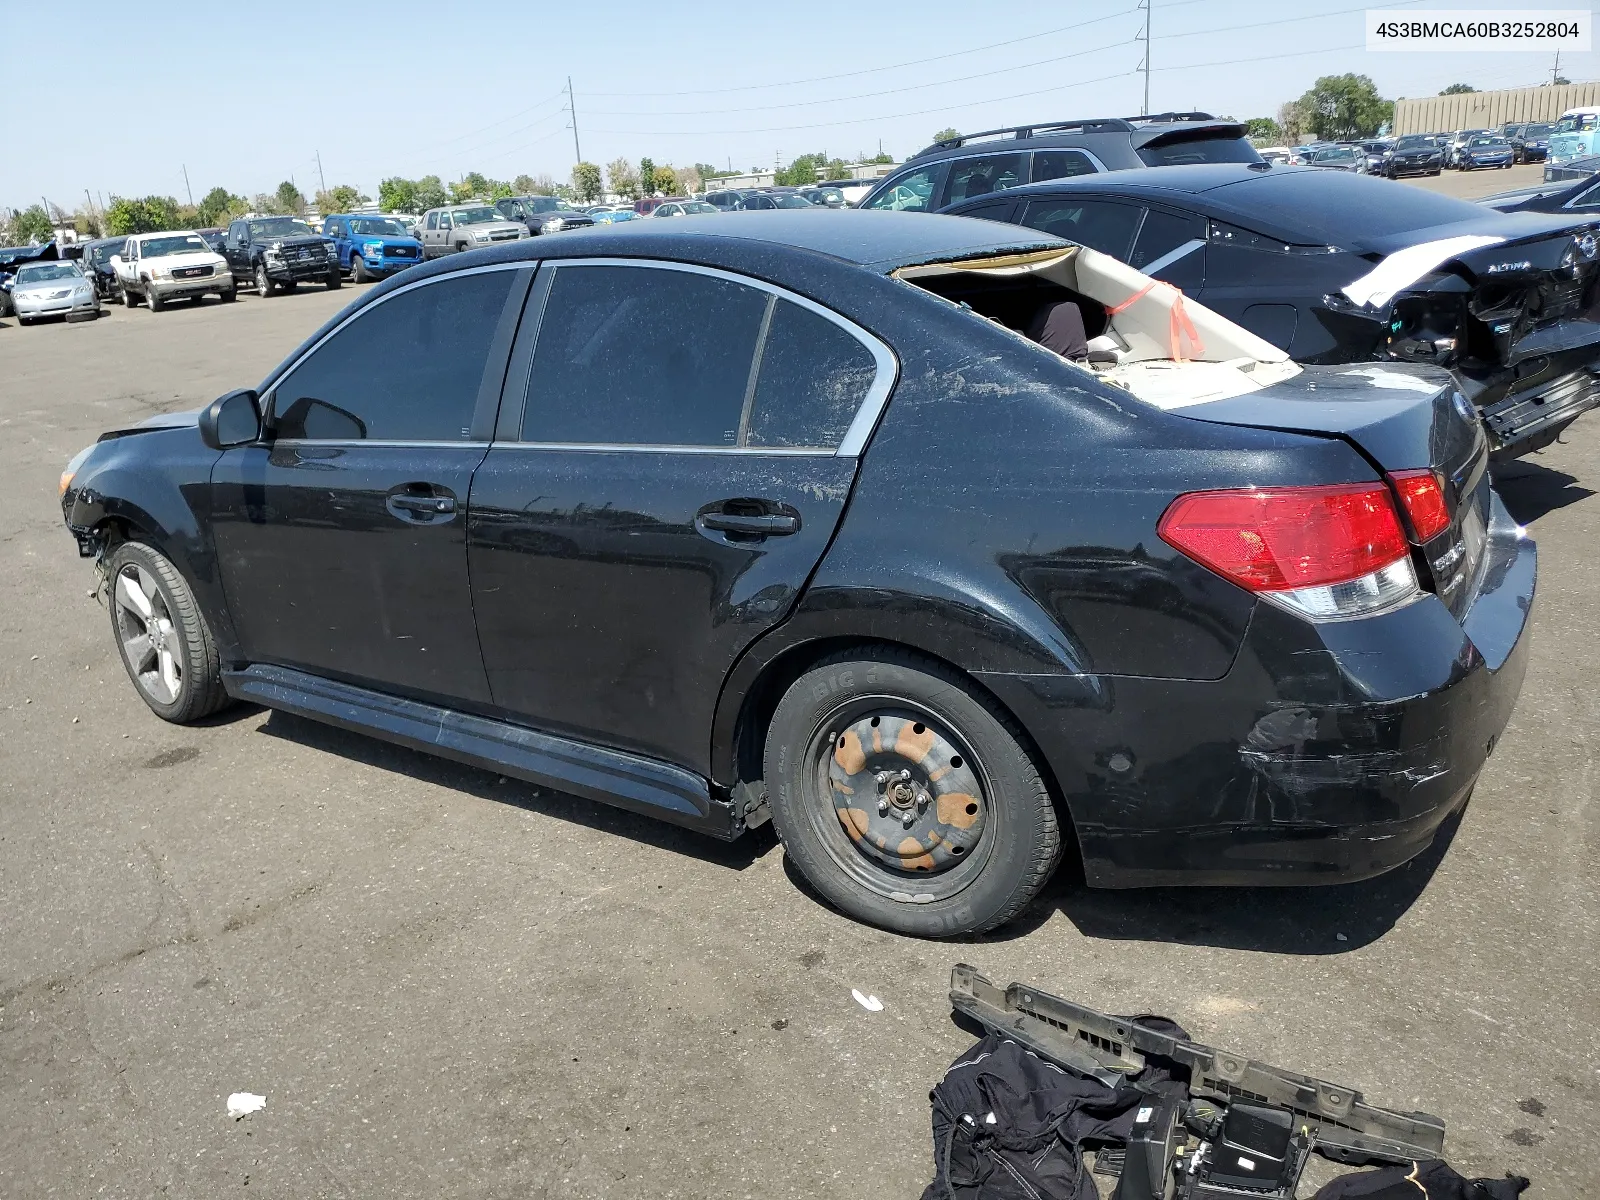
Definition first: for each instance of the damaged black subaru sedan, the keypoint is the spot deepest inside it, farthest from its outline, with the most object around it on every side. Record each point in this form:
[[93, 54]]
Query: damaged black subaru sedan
[[788, 519]]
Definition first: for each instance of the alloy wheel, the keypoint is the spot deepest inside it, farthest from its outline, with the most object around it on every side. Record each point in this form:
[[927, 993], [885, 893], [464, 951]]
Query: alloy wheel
[[151, 643], [900, 799], [263, 282]]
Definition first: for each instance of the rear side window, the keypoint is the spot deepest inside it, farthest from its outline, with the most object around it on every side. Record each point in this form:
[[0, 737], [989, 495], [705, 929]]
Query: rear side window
[[1182, 151], [642, 356], [407, 369], [1171, 246], [1060, 164], [810, 382], [1103, 225], [913, 191], [971, 177]]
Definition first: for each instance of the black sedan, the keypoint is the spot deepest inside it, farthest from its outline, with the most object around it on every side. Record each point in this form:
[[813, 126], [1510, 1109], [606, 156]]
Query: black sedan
[[788, 517], [1336, 268], [1414, 154]]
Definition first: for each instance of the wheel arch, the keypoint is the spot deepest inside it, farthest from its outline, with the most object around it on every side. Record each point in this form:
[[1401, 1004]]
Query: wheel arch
[[759, 679]]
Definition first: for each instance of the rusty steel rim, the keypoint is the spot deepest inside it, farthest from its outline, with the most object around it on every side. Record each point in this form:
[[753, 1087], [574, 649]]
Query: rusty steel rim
[[906, 800]]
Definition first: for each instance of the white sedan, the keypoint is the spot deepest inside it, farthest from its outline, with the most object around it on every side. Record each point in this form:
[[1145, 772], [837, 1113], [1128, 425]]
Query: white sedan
[[53, 289]]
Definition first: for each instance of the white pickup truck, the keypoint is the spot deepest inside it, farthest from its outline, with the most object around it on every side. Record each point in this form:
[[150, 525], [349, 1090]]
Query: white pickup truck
[[177, 265]]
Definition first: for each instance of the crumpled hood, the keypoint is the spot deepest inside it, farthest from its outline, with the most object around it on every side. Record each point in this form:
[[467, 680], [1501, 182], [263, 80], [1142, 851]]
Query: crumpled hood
[[188, 419]]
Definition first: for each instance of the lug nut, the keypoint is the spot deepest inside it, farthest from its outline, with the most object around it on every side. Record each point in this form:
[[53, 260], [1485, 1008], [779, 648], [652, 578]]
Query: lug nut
[[882, 777], [905, 773], [908, 821], [883, 806]]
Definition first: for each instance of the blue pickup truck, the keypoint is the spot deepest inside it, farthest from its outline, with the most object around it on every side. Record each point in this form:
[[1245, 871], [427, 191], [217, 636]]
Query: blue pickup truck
[[371, 247]]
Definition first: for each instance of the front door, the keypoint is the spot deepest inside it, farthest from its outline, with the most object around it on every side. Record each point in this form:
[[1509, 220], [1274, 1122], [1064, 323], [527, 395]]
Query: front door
[[341, 537], [684, 453]]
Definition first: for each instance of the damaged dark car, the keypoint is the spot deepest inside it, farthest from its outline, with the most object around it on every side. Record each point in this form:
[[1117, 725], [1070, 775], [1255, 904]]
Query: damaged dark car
[[792, 522], [1343, 268]]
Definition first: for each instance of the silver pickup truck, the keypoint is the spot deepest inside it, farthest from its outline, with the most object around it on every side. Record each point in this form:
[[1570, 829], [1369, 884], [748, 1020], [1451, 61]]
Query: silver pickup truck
[[465, 227]]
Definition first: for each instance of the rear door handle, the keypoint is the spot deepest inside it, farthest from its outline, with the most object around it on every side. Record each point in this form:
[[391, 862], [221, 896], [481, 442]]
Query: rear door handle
[[752, 524]]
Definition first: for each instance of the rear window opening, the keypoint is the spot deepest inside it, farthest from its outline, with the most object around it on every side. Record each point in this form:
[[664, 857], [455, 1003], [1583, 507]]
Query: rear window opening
[[1135, 332], [1182, 151]]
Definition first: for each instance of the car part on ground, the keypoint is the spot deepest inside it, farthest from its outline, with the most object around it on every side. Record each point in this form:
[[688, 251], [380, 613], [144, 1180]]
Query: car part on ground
[[1333, 268], [693, 595], [1165, 1116]]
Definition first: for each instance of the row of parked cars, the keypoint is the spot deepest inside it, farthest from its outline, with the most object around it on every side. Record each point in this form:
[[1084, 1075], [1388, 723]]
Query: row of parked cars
[[1116, 518], [1423, 153]]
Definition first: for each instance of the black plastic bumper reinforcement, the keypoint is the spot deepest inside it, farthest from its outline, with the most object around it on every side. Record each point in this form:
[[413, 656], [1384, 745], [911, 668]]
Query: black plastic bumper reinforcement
[[1345, 1127]]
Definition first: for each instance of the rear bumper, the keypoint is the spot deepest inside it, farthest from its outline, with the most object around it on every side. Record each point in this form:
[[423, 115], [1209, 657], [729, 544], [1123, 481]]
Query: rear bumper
[[1329, 753]]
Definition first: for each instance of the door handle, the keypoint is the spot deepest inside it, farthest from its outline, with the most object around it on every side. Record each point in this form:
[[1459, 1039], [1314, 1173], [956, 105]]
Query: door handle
[[761, 524], [412, 503]]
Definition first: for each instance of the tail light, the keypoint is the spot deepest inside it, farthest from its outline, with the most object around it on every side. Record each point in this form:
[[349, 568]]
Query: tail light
[[1422, 495], [1322, 552]]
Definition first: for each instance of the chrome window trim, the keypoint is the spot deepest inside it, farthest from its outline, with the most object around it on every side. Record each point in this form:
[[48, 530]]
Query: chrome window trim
[[354, 443], [651, 448], [270, 396], [855, 435]]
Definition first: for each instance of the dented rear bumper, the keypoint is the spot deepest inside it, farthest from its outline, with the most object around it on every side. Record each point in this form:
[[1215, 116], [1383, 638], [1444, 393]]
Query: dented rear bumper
[[1328, 753]]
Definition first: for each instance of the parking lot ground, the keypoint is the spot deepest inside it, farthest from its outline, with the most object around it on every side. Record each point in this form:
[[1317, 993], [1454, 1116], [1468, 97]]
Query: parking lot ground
[[448, 984], [1470, 185]]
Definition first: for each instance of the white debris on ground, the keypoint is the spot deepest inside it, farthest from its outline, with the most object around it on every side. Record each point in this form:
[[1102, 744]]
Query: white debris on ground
[[242, 1104], [870, 1003]]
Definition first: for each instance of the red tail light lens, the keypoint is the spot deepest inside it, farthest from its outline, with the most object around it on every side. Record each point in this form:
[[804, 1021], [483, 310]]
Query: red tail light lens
[[1423, 497], [1283, 539]]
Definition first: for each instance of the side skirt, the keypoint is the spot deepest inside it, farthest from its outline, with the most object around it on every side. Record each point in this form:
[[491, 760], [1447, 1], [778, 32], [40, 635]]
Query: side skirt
[[613, 777]]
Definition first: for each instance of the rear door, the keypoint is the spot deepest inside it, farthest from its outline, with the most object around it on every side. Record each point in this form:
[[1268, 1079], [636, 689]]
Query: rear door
[[673, 456]]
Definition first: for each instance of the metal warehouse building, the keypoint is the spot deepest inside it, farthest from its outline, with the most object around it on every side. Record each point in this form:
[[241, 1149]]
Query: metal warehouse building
[[1490, 110]]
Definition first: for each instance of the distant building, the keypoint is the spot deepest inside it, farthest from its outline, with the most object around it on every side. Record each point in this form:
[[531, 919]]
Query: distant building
[[1491, 110]]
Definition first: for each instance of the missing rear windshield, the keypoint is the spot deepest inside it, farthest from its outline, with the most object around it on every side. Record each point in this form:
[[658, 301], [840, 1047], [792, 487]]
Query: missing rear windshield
[[1184, 151]]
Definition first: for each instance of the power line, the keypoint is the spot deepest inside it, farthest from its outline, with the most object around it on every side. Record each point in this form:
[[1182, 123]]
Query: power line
[[915, 62], [1008, 70], [1342, 12], [472, 133]]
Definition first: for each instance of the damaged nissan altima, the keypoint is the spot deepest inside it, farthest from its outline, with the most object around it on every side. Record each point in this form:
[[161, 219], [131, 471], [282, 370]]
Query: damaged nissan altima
[[1334, 267], [794, 522]]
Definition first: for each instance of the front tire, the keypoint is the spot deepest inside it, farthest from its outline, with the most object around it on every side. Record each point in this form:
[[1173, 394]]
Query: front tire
[[163, 639], [264, 285], [905, 798], [155, 303], [358, 269]]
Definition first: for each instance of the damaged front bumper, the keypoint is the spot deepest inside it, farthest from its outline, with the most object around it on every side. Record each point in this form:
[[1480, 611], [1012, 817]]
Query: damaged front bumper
[[1330, 752]]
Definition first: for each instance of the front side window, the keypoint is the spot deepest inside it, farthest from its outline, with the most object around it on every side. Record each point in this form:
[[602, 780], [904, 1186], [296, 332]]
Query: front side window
[[971, 177], [1103, 225], [433, 220], [913, 191], [406, 369], [1060, 164], [642, 356]]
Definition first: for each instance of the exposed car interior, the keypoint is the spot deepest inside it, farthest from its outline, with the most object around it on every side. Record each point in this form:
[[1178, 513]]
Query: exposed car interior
[[1138, 333]]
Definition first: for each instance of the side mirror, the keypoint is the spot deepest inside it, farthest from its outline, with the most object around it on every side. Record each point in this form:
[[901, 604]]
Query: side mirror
[[231, 420]]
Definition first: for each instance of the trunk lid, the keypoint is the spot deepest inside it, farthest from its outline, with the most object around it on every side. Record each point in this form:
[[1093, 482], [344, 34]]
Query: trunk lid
[[1400, 417]]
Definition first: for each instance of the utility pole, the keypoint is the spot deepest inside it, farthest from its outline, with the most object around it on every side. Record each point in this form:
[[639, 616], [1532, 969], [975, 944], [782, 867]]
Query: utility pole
[[320, 179], [92, 212], [572, 109], [1144, 110], [188, 191], [1555, 71]]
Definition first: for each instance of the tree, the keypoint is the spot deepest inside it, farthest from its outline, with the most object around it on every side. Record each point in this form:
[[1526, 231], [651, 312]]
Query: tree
[[430, 193], [1560, 81], [1263, 130], [543, 185], [946, 134], [523, 184], [1345, 108], [803, 171], [647, 177], [881, 157], [690, 179], [1291, 120], [339, 198], [398, 195], [289, 200], [31, 225], [622, 179], [706, 171], [666, 181], [150, 215], [1458, 89], [219, 206], [586, 182], [461, 191]]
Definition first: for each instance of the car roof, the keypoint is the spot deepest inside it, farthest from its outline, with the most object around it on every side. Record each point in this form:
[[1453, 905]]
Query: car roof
[[168, 233]]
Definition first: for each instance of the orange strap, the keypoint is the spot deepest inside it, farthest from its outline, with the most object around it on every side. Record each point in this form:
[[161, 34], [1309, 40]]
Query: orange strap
[[1181, 329]]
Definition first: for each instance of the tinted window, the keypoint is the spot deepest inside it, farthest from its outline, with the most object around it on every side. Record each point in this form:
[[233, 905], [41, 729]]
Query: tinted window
[[1335, 207], [912, 192], [1100, 224], [812, 378], [1178, 235], [971, 177], [407, 369], [990, 210], [1199, 150], [641, 356], [1060, 164]]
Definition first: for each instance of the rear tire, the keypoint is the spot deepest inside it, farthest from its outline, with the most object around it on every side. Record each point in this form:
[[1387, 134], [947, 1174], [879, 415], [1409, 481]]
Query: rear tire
[[905, 798], [128, 297], [229, 296], [163, 639], [335, 278]]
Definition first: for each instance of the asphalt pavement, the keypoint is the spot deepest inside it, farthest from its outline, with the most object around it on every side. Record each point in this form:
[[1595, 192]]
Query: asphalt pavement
[[450, 984]]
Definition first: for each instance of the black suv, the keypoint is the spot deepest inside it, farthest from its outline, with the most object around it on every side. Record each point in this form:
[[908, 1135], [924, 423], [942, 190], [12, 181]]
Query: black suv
[[269, 253], [974, 164], [543, 214]]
